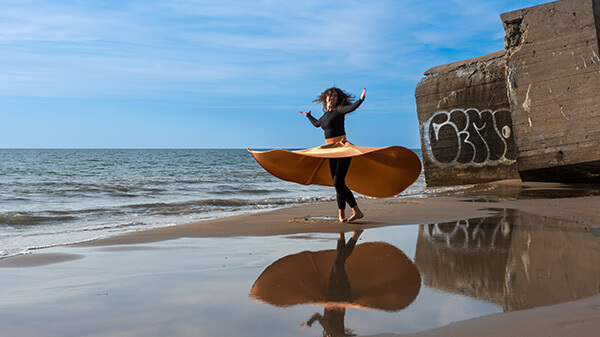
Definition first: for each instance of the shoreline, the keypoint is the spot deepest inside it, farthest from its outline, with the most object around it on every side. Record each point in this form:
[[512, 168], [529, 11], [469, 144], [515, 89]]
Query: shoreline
[[581, 317], [478, 201], [311, 218]]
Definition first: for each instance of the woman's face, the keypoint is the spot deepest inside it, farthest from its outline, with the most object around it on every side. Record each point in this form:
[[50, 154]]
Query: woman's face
[[332, 99]]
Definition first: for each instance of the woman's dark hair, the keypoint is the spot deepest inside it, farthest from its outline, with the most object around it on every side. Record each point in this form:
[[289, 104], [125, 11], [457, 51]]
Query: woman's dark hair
[[344, 98]]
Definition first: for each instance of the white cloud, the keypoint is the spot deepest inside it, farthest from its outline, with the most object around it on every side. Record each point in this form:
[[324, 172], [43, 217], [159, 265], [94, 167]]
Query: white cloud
[[185, 41], [160, 47]]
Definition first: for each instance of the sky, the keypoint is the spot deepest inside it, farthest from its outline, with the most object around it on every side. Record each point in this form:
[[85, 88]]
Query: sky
[[226, 73]]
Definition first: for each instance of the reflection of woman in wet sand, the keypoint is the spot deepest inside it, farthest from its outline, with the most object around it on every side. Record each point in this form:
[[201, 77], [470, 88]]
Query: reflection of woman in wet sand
[[372, 275], [336, 105], [339, 291]]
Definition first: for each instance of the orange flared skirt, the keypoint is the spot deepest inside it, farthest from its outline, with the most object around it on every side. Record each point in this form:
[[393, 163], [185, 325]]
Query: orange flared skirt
[[380, 172]]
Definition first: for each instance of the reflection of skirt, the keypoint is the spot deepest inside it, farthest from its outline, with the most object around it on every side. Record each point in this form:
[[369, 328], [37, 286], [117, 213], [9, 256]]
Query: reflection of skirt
[[380, 172]]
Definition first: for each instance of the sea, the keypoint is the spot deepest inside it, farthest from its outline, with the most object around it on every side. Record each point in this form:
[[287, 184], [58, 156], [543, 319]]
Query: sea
[[52, 197]]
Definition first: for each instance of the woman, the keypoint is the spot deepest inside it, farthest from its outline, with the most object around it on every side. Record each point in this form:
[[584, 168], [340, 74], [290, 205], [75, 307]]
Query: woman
[[379, 172], [336, 105]]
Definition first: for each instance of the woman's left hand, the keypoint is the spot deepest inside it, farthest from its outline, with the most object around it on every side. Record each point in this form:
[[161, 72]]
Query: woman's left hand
[[362, 96]]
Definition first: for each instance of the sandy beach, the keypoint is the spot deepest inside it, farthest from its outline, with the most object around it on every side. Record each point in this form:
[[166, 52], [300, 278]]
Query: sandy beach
[[113, 283]]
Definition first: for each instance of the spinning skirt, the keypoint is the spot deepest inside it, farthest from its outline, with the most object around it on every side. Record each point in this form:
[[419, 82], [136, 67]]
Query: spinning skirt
[[379, 172]]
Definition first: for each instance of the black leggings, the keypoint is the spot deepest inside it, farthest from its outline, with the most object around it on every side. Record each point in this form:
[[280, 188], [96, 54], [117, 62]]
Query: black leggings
[[339, 168]]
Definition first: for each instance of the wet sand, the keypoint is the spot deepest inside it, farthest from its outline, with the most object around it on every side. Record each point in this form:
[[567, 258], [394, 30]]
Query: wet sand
[[579, 207]]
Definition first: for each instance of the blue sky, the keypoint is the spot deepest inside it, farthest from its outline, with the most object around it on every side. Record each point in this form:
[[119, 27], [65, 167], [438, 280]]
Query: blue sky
[[227, 73]]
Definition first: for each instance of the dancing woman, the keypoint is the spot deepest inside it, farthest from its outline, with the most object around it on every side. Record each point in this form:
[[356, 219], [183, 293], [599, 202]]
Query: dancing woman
[[336, 105], [379, 172]]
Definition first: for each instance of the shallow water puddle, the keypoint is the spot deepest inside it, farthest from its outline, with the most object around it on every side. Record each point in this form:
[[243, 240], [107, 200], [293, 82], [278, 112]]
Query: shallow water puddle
[[397, 279]]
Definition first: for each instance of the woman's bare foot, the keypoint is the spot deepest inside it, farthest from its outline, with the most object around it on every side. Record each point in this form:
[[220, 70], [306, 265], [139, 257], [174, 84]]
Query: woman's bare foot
[[356, 214], [342, 216]]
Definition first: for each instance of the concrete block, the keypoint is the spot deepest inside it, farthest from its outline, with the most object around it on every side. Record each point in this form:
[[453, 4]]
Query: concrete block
[[465, 122], [553, 84]]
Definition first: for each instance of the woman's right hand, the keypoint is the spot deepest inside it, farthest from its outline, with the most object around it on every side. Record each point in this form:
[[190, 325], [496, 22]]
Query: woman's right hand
[[304, 112]]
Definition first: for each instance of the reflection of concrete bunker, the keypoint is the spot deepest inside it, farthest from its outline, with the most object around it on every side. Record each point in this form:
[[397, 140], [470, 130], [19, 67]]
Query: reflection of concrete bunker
[[505, 260], [531, 110]]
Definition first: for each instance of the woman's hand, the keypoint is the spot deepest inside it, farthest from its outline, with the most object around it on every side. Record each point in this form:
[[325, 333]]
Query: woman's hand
[[304, 112], [362, 96]]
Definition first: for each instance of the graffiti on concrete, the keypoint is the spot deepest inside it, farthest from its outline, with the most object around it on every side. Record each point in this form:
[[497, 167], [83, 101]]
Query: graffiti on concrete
[[470, 235], [470, 137]]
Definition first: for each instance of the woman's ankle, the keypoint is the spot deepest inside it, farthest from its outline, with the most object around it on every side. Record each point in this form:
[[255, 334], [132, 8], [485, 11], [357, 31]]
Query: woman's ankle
[[342, 215]]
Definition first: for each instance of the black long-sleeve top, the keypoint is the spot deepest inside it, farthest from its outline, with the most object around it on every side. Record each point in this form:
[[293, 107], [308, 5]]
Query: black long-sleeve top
[[332, 121]]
